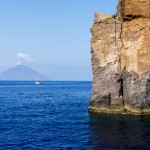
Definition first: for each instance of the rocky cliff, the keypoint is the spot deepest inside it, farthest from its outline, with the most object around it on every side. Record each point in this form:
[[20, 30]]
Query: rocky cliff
[[120, 48]]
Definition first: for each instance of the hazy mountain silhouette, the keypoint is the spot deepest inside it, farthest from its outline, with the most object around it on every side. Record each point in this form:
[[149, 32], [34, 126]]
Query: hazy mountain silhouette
[[21, 72]]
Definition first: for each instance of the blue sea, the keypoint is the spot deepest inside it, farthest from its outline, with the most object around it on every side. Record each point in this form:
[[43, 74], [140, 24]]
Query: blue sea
[[54, 116]]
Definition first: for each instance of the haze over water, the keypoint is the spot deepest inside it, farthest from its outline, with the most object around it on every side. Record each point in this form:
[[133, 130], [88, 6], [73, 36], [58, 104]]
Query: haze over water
[[55, 115], [50, 36]]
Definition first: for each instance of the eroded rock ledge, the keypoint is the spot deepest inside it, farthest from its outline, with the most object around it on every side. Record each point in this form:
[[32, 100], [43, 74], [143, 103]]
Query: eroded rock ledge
[[120, 48]]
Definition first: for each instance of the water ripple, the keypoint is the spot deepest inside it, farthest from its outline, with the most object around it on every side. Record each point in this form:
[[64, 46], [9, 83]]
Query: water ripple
[[54, 116]]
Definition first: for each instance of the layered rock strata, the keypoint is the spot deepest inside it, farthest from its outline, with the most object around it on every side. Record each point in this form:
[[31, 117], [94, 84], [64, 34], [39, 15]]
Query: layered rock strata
[[120, 48]]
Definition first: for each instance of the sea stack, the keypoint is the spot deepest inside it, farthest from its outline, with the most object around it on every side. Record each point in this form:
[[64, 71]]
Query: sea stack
[[120, 48]]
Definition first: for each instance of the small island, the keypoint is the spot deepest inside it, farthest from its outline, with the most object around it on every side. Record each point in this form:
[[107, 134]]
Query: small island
[[120, 48]]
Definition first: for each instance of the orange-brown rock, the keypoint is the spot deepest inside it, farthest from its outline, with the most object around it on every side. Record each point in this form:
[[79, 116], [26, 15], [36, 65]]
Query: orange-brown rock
[[120, 48], [136, 8]]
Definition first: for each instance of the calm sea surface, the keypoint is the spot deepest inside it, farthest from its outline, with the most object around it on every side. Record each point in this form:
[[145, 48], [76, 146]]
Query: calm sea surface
[[54, 116]]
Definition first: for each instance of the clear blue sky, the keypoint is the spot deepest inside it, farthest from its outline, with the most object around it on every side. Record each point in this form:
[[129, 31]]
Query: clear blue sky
[[55, 33]]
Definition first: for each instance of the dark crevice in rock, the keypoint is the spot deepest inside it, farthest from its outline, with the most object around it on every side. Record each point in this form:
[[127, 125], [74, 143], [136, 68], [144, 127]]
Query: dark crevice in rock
[[147, 97], [120, 10], [109, 99], [115, 29], [121, 32], [132, 17], [121, 91], [125, 111], [122, 78], [148, 87], [115, 33]]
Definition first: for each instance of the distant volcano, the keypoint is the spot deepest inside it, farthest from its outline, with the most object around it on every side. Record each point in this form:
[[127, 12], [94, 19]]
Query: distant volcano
[[21, 73]]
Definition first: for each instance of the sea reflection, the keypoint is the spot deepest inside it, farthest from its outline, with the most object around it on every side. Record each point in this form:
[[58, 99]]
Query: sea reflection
[[120, 132]]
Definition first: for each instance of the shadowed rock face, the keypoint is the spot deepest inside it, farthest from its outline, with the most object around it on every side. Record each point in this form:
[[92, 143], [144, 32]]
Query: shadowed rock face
[[120, 48]]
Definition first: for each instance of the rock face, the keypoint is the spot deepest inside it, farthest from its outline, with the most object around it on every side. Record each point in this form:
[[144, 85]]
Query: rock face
[[120, 48]]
